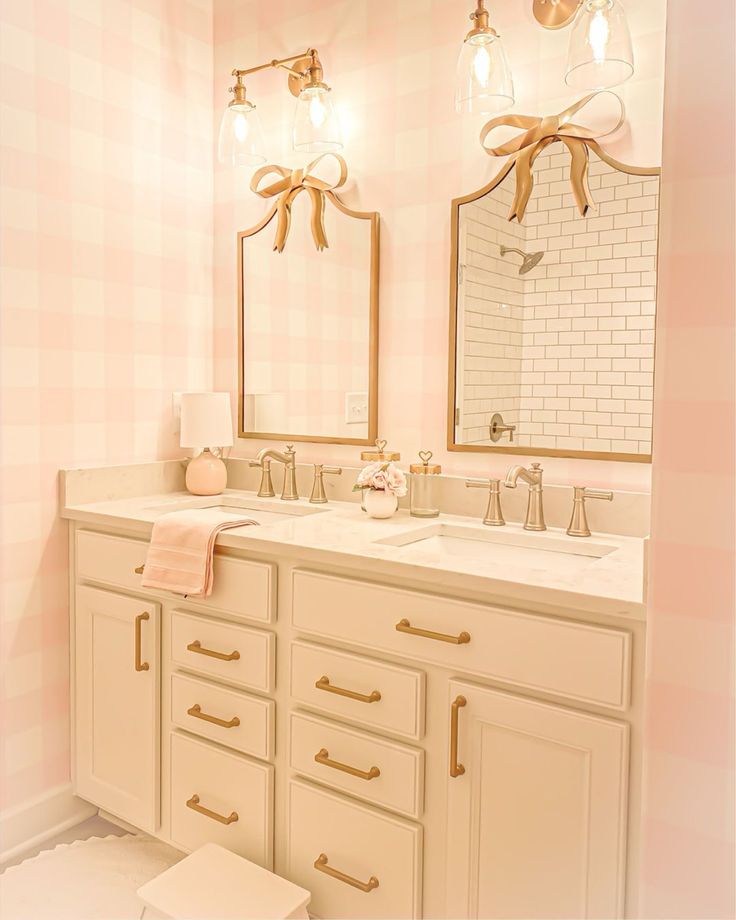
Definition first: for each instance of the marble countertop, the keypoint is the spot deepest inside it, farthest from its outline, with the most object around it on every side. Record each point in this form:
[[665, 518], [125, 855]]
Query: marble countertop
[[552, 577]]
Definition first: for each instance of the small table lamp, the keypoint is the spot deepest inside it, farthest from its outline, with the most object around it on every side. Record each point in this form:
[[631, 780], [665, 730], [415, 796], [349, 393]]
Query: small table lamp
[[206, 423]]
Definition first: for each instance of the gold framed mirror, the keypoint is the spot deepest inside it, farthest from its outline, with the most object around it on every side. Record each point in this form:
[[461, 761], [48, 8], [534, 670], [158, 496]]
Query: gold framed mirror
[[552, 319], [308, 325]]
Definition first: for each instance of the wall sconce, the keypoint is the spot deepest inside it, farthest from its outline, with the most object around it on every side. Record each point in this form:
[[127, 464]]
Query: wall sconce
[[600, 54], [484, 82], [316, 128]]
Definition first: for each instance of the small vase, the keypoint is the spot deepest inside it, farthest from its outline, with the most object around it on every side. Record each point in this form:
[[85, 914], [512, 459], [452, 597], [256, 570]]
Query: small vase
[[380, 504]]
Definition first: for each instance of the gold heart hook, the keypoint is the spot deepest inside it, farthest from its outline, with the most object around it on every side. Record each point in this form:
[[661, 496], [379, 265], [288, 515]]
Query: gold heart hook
[[425, 456]]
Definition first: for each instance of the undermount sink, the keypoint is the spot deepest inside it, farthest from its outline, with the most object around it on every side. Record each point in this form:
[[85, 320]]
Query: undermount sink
[[543, 550], [262, 511]]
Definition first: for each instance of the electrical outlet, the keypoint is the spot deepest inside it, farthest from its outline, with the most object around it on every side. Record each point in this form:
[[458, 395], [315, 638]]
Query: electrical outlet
[[356, 408]]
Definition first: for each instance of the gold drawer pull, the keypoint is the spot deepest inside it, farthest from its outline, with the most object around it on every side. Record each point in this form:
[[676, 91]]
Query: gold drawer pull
[[323, 756], [324, 684], [456, 769], [140, 665], [196, 646], [405, 626], [320, 864], [138, 570], [196, 711], [193, 803]]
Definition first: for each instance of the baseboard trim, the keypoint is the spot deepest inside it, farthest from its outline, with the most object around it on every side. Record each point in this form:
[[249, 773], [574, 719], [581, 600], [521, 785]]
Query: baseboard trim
[[27, 825]]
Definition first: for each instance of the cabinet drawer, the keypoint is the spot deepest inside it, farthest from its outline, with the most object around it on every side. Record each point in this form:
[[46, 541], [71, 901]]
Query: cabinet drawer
[[219, 797], [373, 693], [225, 650], [235, 719], [241, 588], [380, 771], [570, 659], [335, 845]]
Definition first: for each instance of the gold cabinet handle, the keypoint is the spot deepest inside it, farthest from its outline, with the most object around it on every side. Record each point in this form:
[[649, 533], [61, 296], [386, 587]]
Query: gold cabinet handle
[[138, 570], [320, 864], [323, 756], [193, 803], [140, 665], [324, 684], [196, 711], [456, 769], [405, 626], [197, 647]]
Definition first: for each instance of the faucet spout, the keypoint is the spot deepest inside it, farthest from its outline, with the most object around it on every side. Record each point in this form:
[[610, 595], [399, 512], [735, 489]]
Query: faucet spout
[[515, 473], [288, 458], [534, 509]]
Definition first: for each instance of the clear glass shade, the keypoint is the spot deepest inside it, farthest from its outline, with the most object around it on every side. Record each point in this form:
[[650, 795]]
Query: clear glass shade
[[600, 54], [316, 125], [484, 83], [240, 142]]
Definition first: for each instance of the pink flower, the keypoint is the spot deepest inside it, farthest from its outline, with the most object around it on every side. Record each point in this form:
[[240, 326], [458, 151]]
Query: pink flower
[[382, 476]]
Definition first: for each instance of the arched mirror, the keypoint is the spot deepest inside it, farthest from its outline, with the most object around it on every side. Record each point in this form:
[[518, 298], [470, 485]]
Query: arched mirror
[[308, 326], [553, 319]]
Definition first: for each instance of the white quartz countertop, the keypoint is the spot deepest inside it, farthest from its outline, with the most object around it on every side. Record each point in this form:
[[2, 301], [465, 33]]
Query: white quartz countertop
[[341, 534]]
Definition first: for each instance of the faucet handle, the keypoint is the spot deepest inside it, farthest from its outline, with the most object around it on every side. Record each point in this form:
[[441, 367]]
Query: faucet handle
[[535, 466], [493, 516], [578, 526], [318, 496]]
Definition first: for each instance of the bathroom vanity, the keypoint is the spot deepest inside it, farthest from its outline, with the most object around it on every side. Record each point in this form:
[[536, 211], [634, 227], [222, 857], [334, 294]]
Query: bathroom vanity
[[409, 719]]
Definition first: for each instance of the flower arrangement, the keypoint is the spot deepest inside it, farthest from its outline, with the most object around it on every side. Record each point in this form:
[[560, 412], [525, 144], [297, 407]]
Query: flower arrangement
[[382, 476]]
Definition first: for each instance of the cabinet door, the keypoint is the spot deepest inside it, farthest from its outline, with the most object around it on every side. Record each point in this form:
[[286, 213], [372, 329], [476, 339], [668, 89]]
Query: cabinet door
[[536, 822], [117, 705]]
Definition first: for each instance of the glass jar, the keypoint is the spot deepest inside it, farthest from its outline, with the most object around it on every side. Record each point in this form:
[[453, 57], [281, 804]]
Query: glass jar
[[424, 498], [380, 454]]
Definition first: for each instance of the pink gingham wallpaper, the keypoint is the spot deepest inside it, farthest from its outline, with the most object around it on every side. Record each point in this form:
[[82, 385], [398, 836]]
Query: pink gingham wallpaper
[[107, 275], [106, 281], [689, 859]]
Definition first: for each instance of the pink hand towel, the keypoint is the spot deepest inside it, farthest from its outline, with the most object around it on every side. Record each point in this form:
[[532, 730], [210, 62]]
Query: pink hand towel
[[180, 555]]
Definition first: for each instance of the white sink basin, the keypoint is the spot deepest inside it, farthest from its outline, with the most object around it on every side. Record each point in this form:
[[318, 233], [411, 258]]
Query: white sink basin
[[260, 510], [545, 550]]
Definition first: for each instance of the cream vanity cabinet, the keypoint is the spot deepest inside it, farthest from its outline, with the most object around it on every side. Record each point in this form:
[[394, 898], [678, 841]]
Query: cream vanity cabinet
[[536, 808], [117, 704], [396, 751]]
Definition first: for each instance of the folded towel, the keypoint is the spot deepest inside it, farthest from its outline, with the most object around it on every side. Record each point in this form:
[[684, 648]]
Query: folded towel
[[180, 555]]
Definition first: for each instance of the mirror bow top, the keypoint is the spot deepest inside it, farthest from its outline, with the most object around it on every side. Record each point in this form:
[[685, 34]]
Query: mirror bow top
[[539, 133], [291, 183]]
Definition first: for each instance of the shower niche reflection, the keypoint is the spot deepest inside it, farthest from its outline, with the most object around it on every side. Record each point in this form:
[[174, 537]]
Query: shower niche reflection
[[552, 319]]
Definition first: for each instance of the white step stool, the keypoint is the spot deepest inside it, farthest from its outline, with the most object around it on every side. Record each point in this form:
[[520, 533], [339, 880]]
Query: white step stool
[[214, 884]]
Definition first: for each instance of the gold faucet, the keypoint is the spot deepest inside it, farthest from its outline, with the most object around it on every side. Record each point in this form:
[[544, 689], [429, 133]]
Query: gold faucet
[[288, 458], [318, 496], [533, 477]]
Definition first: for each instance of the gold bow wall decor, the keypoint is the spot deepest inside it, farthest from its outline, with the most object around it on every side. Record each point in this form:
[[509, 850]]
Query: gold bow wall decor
[[540, 133], [289, 185]]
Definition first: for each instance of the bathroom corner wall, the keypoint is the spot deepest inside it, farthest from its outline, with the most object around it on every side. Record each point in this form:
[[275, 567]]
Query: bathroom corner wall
[[690, 815], [409, 154], [106, 302]]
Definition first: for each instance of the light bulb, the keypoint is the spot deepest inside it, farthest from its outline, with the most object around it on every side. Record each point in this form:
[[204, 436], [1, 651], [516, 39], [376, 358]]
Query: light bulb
[[482, 65], [240, 127], [317, 111], [598, 35]]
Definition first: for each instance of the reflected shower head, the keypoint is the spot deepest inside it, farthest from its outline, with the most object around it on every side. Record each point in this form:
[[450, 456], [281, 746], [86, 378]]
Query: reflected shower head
[[530, 259]]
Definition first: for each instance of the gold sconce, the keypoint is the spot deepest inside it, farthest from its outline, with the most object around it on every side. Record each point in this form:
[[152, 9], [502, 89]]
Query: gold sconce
[[316, 128], [484, 82], [600, 53]]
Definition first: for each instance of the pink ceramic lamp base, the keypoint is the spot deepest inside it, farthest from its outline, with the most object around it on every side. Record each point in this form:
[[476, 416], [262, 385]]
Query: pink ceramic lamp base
[[206, 474]]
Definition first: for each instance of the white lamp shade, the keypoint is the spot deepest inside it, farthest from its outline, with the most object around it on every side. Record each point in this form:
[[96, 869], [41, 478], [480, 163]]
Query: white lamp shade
[[206, 420]]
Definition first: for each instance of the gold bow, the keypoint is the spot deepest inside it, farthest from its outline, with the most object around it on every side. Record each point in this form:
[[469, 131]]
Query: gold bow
[[291, 183], [539, 134]]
